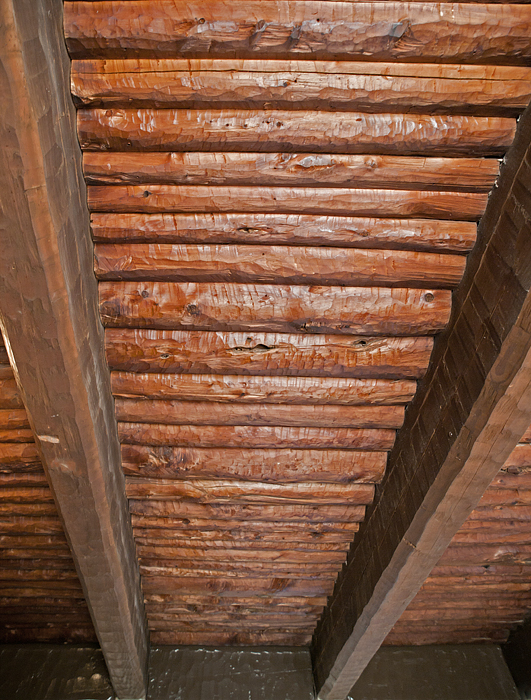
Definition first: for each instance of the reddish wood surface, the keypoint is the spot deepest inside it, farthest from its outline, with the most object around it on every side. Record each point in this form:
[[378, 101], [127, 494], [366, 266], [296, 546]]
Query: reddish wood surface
[[211, 413], [272, 390], [266, 353], [259, 437], [277, 264], [338, 466], [157, 85], [291, 169], [283, 229], [235, 492], [274, 308], [345, 132], [428, 32], [265, 513]]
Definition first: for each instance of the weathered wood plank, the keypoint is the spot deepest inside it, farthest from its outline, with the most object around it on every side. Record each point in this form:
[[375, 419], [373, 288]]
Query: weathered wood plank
[[257, 437], [160, 86], [16, 454], [295, 229], [266, 513], [278, 130], [49, 319], [272, 264], [211, 491], [381, 31], [466, 206], [13, 418], [250, 388], [275, 308], [236, 588], [266, 353], [210, 413], [9, 394], [448, 71], [240, 520], [291, 169], [284, 637], [256, 540], [175, 603], [209, 539], [472, 411], [339, 466], [17, 435]]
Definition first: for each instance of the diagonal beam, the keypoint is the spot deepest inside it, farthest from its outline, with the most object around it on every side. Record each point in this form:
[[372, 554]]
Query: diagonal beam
[[49, 317], [472, 409]]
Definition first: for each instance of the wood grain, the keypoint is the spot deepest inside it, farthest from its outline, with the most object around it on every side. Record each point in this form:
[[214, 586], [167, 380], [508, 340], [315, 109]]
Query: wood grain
[[266, 513], [211, 491], [159, 86], [259, 437], [226, 525], [212, 413], [277, 264], [278, 130], [283, 229], [271, 390], [274, 308], [140, 350], [291, 169], [380, 31]]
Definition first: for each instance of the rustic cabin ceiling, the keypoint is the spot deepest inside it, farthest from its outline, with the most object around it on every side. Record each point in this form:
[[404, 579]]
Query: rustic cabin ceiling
[[282, 199]]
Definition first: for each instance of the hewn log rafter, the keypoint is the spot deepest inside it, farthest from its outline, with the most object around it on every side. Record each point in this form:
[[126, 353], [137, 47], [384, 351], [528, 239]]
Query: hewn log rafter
[[474, 406]]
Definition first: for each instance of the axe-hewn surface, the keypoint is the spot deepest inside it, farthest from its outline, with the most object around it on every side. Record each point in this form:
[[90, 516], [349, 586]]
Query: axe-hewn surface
[[282, 197]]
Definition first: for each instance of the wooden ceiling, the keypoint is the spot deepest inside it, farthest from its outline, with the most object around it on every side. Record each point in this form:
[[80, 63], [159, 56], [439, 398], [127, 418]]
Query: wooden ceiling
[[283, 196], [276, 240]]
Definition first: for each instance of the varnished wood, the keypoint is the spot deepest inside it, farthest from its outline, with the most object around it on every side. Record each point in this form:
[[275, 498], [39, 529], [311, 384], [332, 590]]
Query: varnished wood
[[278, 264], [294, 229], [212, 413], [235, 492], [291, 169], [159, 84], [381, 31], [274, 308], [254, 464], [265, 513], [49, 319], [256, 437], [345, 132], [466, 206], [266, 353], [226, 525], [272, 390]]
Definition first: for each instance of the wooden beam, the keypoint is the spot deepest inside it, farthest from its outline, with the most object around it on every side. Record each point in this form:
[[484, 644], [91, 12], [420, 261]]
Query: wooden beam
[[292, 131], [291, 169], [381, 31], [474, 407], [162, 84], [282, 229], [48, 315], [140, 350], [272, 390], [277, 308], [278, 264]]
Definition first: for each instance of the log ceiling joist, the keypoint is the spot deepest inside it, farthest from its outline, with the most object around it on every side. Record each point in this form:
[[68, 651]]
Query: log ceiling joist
[[49, 317], [473, 407]]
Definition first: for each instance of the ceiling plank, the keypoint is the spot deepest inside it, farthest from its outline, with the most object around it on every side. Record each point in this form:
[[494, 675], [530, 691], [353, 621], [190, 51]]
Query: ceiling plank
[[48, 314], [473, 408], [379, 31]]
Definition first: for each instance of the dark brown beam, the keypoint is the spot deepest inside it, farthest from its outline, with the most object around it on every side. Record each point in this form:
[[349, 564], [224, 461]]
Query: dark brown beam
[[49, 318], [473, 407]]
